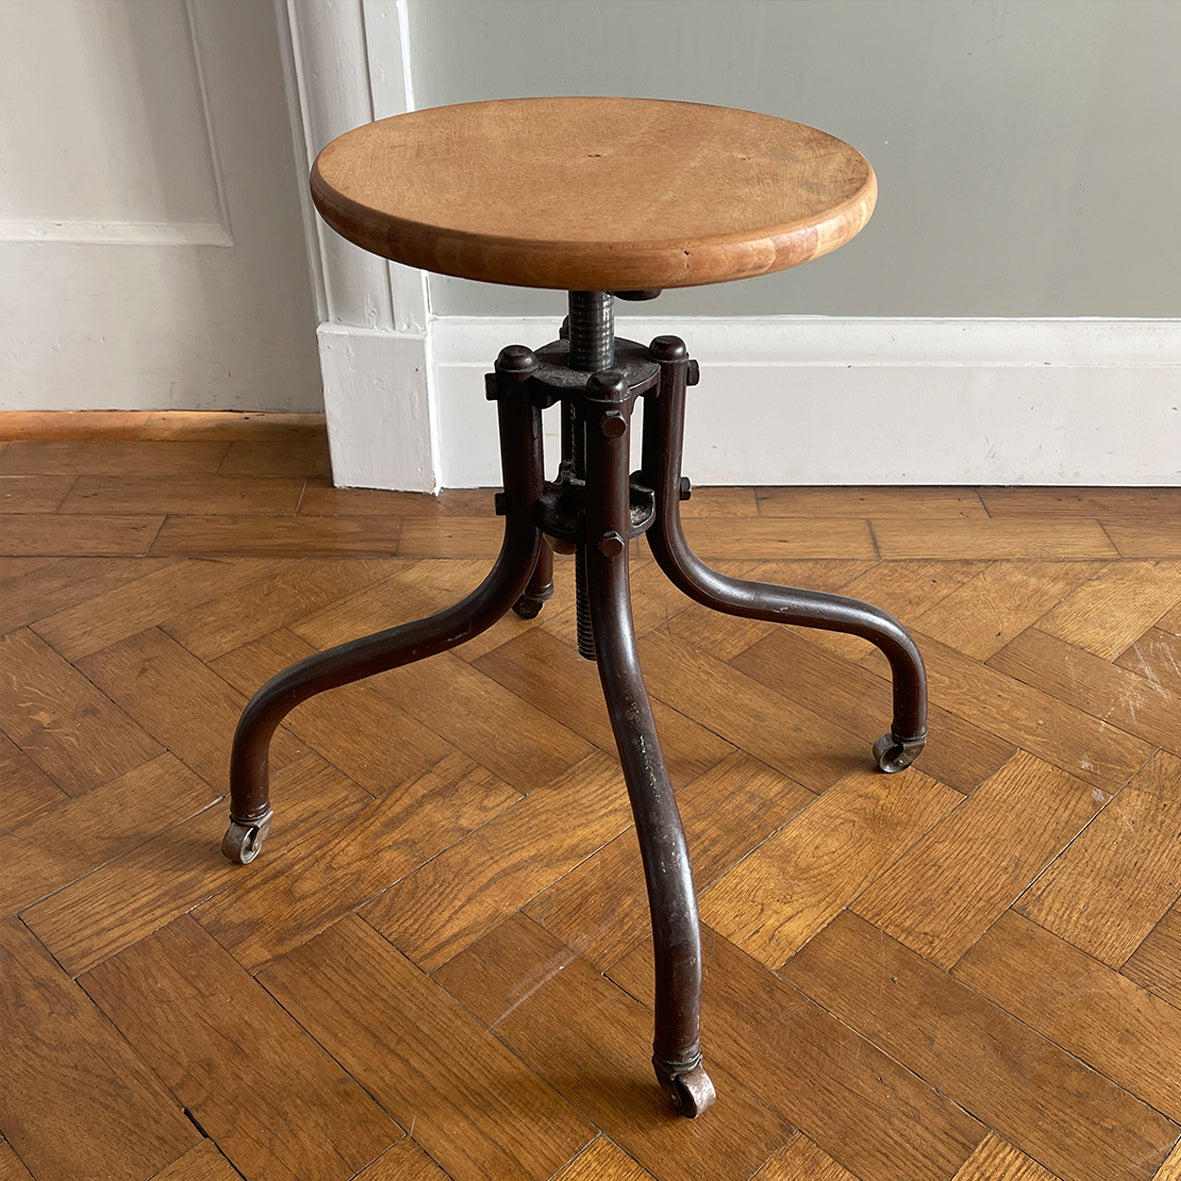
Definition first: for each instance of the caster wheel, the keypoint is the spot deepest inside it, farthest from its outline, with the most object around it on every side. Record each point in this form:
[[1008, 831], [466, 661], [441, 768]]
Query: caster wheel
[[691, 1091], [896, 754], [528, 606], [243, 842]]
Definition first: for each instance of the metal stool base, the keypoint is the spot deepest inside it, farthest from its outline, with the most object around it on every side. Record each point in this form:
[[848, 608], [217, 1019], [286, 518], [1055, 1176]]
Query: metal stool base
[[596, 506]]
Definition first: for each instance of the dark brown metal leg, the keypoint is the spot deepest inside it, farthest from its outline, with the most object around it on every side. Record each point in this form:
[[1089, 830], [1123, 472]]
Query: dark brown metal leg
[[663, 435], [540, 588], [671, 897], [521, 459]]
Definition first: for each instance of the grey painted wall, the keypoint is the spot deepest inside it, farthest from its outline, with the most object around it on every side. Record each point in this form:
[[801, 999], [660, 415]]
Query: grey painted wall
[[1027, 151]]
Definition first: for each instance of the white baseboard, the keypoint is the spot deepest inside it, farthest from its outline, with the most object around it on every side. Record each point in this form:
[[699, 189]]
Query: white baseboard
[[376, 398], [817, 400]]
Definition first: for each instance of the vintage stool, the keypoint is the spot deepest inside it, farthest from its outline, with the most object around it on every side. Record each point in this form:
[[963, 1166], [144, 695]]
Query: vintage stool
[[598, 197]]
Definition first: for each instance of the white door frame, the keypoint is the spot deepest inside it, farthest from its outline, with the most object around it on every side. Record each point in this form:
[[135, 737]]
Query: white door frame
[[373, 333]]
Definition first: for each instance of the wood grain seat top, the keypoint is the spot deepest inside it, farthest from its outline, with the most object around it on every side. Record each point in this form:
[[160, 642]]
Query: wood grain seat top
[[601, 194]]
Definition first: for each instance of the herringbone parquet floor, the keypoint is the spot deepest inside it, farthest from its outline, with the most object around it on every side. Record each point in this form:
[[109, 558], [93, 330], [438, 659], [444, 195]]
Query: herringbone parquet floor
[[439, 966]]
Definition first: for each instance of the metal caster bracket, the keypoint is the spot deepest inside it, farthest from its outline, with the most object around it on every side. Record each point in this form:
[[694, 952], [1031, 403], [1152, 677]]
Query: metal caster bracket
[[243, 842], [690, 1090], [529, 605], [896, 754]]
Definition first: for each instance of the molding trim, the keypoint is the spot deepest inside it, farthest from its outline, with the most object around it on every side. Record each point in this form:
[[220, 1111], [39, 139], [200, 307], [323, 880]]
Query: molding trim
[[819, 400], [117, 233], [219, 179], [330, 70]]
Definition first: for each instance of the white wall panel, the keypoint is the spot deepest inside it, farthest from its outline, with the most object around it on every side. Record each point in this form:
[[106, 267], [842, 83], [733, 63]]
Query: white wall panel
[[104, 116], [151, 249]]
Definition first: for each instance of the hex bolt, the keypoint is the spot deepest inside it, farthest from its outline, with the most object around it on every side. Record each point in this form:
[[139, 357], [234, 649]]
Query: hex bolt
[[611, 545], [693, 373], [613, 424], [501, 503], [686, 489]]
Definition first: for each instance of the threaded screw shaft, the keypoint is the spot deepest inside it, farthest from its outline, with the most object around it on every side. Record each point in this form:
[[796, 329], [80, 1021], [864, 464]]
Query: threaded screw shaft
[[586, 638], [592, 330]]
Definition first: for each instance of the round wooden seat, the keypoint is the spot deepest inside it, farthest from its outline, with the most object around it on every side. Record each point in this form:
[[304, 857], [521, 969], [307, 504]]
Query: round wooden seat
[[593, 194]]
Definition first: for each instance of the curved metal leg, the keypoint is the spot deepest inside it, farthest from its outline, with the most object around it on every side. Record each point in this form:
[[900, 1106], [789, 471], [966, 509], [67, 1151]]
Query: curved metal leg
[[540, 588], [663, 435], [671, 897], [521, 458]]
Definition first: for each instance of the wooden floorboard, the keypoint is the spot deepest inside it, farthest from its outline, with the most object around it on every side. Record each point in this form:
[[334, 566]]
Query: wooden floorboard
[[441, 965]]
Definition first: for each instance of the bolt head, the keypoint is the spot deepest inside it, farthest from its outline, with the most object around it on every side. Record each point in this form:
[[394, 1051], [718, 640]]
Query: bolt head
[[516, 358], [665, 349], [610, 385], [611, 545], [613, 424]]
